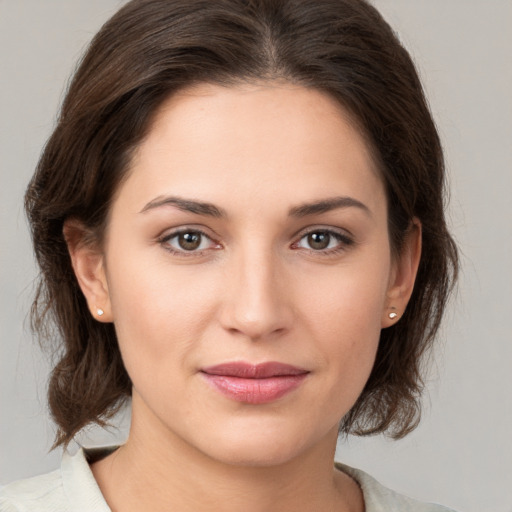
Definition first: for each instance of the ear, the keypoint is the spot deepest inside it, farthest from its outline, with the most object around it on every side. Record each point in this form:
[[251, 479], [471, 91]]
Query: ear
[[403, 275], [88, 263]]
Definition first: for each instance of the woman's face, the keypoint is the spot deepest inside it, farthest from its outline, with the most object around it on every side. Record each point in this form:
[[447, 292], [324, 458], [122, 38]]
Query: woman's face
[[251, 229]]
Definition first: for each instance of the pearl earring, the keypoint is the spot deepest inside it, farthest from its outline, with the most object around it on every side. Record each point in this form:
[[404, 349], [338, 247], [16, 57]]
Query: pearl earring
[[100, 312], [393, 314]]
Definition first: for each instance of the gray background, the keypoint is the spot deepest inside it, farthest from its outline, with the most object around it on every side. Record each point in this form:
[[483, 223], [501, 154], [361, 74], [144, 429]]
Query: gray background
[[461, 455]]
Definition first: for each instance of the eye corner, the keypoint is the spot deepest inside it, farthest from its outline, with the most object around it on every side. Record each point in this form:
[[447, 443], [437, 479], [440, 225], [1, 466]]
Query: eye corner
[[342, 241], [199, 242]]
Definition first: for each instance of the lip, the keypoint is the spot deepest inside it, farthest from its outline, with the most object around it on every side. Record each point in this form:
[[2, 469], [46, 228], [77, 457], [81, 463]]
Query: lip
[[254, 384]]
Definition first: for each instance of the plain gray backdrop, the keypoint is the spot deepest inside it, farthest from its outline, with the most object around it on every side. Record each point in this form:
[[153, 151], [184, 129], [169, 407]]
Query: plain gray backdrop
[[461, 455]]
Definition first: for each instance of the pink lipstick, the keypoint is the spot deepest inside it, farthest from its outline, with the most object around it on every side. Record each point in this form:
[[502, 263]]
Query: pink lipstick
[[254, 384]]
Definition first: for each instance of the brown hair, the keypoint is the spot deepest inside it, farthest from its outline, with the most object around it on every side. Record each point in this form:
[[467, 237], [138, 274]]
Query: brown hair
[[152, 48]]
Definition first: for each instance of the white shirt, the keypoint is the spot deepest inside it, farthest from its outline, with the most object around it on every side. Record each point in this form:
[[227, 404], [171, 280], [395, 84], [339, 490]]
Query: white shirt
[[72, 488]]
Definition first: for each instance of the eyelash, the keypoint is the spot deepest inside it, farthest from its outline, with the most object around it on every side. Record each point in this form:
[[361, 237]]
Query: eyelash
[[344, 240], [164, 241]]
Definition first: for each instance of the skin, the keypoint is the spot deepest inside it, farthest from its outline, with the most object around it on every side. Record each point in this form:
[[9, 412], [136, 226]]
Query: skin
[[255, 290]]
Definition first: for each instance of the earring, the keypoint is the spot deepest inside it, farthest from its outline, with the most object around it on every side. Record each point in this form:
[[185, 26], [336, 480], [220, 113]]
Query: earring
[[393, 314], [100, 312]]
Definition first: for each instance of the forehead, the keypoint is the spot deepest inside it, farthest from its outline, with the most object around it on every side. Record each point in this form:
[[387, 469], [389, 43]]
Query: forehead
[[268, 141]]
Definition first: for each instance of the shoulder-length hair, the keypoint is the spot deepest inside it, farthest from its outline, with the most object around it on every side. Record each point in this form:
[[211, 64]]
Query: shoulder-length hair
[[152, 48]]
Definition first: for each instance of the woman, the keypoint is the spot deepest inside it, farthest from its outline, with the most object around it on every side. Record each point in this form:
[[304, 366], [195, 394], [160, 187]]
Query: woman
[[250, 321]]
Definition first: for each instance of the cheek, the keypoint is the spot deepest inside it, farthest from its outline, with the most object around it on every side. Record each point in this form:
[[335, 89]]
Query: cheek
[[345, 316], [349, 299], [157, 309]]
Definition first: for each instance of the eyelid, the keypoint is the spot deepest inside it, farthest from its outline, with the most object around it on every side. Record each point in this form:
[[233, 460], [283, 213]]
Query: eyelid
[[171, 231], [164, 238], [346, 239], [345, 233]]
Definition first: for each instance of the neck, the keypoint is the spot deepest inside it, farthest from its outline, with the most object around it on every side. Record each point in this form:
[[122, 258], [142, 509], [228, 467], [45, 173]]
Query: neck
[[162, 472]]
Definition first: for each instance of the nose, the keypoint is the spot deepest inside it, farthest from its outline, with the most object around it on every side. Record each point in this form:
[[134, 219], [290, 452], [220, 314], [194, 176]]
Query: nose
[[257, 301]]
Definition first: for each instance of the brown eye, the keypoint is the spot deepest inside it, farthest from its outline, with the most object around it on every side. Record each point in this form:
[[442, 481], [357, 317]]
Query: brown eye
[[319, 240], [324, 241], [189, 241]]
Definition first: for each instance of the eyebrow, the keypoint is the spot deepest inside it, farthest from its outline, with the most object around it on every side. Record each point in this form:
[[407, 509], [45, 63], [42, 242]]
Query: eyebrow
[[302, 210], [326, 205], [186, 205]]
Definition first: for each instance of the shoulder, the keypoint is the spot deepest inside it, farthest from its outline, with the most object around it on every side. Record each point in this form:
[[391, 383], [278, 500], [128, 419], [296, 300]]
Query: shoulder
[[379, 498], [72, 488], [41, 493]]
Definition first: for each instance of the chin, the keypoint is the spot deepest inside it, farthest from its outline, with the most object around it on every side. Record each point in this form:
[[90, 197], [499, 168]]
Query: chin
[[257, 447], [255, 454]]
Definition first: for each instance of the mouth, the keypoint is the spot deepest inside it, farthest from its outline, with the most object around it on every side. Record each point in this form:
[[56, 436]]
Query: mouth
[[254, 384]]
